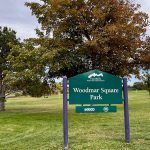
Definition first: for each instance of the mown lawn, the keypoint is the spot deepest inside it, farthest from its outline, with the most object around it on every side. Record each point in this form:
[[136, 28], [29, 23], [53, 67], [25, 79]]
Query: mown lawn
[[36, 124]]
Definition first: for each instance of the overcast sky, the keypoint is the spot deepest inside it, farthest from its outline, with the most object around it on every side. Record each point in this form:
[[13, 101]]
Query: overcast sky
[[14, 14]]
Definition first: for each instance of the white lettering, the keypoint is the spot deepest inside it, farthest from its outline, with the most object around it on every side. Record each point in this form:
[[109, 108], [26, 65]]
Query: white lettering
[[87, 90], [107, 91], [93, 97], [89, 109]]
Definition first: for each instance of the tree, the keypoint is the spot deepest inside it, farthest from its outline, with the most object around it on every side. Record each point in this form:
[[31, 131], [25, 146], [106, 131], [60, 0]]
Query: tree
[[92, 34], [27, 73], [139, 86], [7, 37]]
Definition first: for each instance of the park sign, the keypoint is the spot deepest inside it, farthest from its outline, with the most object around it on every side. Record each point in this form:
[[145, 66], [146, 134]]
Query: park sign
[[95, 87]]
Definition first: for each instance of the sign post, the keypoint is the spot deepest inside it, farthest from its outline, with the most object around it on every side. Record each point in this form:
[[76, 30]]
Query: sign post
[[65, 113], [126, 111]]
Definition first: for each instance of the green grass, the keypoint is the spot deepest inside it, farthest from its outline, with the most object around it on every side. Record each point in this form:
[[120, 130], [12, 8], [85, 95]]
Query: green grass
[[36, 124]]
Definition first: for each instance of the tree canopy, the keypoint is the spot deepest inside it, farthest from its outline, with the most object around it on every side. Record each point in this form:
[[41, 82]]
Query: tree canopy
[[7, 38], [105, 35], [27, 72]]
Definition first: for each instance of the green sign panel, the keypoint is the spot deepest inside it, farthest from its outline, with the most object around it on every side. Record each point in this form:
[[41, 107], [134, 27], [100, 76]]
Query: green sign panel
[[95, 87], [95, 109]]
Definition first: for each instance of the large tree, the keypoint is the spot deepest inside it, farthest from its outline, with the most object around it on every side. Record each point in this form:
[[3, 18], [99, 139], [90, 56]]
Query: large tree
[[90, 34], [7, 37]]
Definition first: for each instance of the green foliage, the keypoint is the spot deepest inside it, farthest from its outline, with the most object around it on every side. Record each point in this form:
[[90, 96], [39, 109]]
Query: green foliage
[[105, 35], [2, 99], [27, 72], [145, 85], [18, 94], [38, 89], [140, 86], [7, 39], [146, 79], [59, 87]]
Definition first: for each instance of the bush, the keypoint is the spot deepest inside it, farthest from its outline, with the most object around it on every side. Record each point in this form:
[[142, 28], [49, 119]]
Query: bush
[[18, 94]]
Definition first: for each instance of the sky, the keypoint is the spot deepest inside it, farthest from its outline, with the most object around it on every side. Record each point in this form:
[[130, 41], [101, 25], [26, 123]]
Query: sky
[[15, 15]]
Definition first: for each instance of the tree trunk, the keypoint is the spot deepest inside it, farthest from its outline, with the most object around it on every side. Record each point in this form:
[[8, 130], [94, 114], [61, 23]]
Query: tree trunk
[[2, 93], [2, 106]]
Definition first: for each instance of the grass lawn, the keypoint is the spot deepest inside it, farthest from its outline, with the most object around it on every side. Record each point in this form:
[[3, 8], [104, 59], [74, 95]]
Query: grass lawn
[[36, 124]]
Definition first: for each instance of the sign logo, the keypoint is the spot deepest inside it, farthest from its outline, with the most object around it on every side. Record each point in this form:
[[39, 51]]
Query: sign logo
[[95, 77], [105, 109]]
